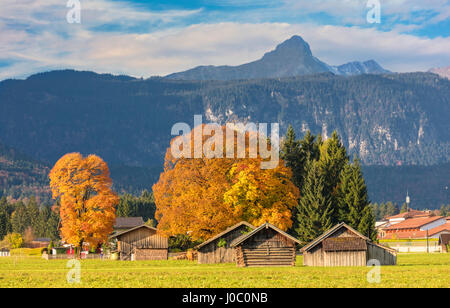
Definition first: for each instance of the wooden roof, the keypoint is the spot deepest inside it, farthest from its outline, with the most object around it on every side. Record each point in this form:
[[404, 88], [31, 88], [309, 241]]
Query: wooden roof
[[244, 237], [344, 244], [225, 232], [128, 222], [132, 229], [330, 232]]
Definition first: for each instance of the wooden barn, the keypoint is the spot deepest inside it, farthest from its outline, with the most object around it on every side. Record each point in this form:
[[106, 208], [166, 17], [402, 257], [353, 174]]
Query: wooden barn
[[265, 246], [218, 248], [344, 246], [142, 243]]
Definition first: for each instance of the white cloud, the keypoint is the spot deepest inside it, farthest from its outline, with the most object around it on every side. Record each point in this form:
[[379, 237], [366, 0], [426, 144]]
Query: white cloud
[[40, 39]]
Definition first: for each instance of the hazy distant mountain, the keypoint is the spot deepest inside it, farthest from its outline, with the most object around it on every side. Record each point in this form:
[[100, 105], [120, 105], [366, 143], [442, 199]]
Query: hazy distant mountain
[[385, 119], [358, 68], [441, 71], [289, 59]]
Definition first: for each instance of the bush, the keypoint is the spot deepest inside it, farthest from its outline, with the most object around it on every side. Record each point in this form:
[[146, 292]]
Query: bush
[[50, 247], [61, 250], [222, 243], [15, 240]]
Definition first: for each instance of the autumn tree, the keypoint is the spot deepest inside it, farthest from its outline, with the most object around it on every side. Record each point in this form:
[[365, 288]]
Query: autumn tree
[[205, 195], [87, 203]]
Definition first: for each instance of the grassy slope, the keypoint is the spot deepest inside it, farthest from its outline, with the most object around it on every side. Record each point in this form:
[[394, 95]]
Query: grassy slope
[[413, 270]]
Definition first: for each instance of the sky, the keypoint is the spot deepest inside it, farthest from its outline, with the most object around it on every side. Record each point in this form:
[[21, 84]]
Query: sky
[[144, 38]]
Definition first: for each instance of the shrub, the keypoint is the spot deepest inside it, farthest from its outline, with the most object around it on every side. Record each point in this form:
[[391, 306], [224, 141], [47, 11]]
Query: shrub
[[222, 243], [15, 240], [50, 247]]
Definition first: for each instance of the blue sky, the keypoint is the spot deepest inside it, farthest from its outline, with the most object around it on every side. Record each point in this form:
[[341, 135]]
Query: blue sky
[[145, 38]]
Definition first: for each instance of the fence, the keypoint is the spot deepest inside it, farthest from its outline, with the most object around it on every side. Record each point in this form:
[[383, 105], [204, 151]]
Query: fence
[[413, 245], [90, 256]]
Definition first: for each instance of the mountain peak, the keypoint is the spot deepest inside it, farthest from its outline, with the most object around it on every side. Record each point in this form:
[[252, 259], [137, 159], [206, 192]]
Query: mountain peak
[[358, 68], [291, 58], [441, 71], [293, 47]]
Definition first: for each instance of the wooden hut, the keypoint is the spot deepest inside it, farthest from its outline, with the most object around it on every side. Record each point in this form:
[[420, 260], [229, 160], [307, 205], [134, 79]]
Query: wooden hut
[[265, 246], [142, 243], [444, 241], [344, 246], [218, 248]]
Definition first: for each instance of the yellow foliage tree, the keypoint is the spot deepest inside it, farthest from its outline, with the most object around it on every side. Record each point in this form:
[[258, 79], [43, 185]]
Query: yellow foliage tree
[[203, 196], [87, 201]]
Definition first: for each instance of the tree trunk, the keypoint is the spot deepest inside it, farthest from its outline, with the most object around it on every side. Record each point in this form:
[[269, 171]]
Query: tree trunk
[[80, 248]]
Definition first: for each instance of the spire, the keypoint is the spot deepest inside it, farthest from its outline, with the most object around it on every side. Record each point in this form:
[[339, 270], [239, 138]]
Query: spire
[[407, 200]]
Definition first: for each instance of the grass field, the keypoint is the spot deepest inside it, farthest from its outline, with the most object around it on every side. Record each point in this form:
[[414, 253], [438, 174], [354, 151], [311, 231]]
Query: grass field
[[413, 270]]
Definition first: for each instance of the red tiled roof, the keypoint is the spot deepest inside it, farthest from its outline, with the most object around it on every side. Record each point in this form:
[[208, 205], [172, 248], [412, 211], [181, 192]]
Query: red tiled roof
[[413, 223], [409, 214], [405, 235], [444, 227]]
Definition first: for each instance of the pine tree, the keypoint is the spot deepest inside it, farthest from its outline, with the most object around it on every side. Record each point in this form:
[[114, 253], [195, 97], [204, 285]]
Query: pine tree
[[392, 209], [354, 205], [404, 208], [291, 154], [315, 209], [332, 162], [4, 224], [344, 196], [33, 213], [19, 218], [367, 224]]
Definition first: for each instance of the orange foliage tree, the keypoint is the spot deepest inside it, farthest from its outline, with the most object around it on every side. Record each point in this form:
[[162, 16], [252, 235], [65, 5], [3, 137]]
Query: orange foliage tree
[[87, 211], [203, 196]]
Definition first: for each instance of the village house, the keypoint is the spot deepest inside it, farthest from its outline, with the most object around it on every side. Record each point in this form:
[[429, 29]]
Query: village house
[[265, 246], [419, 227], [141, 243], [417, 234], [344, 246], [218, 248], [395, 219]]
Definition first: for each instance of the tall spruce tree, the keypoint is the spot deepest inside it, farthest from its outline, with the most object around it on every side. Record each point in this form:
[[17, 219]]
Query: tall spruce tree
[[315, 210], [332, 162], [4, 224], [353, 202], [292, 156], [19, 218]]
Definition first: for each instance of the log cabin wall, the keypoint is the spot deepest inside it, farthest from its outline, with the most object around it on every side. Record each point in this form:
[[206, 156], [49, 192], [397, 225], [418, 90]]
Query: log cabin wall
[[144, 243], [266, 248], [212, 253]]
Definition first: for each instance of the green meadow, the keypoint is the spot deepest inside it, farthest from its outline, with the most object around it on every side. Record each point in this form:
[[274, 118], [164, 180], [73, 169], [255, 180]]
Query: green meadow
[[413, 270]]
